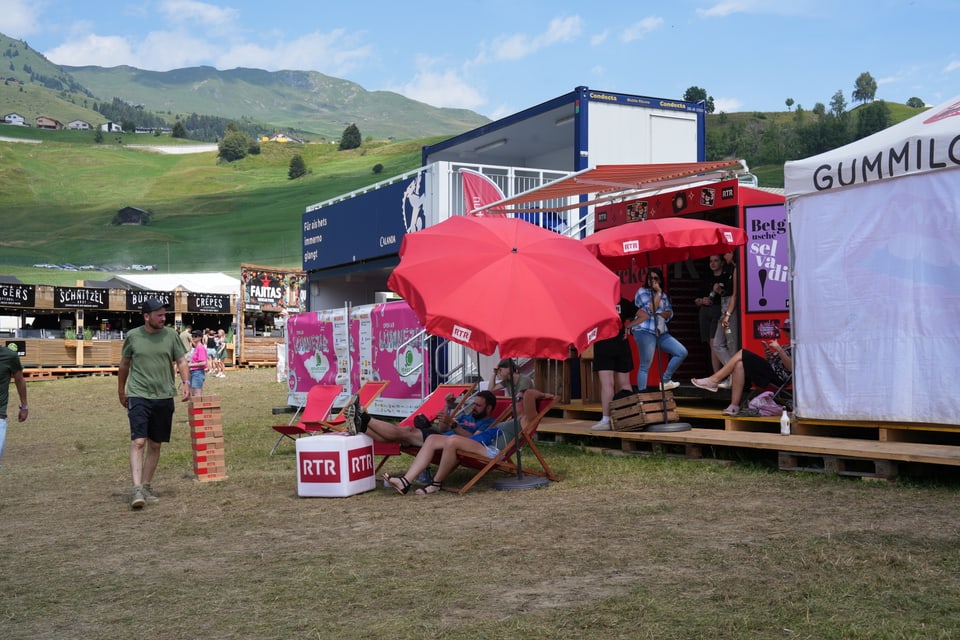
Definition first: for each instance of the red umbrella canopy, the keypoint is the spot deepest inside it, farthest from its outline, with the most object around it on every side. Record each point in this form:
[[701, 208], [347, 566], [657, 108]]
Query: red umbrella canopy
[[489, 282], [662, 241]]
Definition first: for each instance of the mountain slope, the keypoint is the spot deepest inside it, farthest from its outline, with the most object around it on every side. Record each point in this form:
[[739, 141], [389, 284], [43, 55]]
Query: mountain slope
[[306, 101], [303, 100]]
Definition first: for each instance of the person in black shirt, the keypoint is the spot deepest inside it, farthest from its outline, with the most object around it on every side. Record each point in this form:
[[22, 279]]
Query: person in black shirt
[[613, 362]]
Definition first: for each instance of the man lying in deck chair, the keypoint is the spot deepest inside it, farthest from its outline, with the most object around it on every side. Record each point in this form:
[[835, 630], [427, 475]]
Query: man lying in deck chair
[[486, 442], [478, 417]]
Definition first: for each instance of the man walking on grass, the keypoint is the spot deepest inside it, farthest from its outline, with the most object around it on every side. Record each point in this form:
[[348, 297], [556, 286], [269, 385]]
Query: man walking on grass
[[11, 369], [146, 388]]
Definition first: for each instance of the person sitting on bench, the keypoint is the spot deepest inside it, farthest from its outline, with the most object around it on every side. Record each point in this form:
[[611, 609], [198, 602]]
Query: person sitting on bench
[[745, 365]]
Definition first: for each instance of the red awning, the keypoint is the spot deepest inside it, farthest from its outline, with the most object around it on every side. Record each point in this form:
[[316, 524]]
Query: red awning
[[611, 181]]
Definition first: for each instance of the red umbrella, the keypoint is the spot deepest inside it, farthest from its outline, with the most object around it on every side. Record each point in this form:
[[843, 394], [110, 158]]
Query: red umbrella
[[488, 282], [662, 241]]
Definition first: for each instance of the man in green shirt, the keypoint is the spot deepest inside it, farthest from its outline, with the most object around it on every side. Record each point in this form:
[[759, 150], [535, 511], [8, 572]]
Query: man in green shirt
[[10, 368], [146, 388]]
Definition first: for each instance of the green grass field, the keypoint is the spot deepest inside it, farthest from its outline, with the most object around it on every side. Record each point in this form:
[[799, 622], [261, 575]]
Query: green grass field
[[59, 197], [624, 547]]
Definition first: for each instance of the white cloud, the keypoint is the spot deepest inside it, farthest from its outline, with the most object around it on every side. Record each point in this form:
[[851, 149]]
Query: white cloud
[[638, 30], [723, 9], [599, 38], [953, 66], [775, 7], [19, 18], [193, 13], [445, 89], [336, 53], [520, 45], [727, 105], [101, 51]]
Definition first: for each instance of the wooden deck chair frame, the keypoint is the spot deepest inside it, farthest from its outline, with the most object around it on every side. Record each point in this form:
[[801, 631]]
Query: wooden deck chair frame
[[503, 461], [319, 404], [431, 405], [369, 392]]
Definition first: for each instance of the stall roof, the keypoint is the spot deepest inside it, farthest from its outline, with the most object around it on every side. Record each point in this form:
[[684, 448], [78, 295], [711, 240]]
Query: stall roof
[[615, 181], [192, 282]]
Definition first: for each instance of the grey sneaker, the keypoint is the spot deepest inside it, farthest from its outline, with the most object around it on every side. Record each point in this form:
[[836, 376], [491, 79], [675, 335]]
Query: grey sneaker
[[149, 495], [138, 500]]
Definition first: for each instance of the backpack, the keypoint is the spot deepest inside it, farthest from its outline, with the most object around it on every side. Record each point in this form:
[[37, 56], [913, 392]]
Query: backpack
[[765, 405]]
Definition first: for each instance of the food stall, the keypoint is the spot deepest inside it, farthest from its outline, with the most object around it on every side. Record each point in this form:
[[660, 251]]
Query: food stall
[[64, 329], [269, 295]]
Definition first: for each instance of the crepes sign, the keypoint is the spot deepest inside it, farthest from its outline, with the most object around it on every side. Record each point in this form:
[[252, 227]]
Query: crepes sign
[[208, 303]]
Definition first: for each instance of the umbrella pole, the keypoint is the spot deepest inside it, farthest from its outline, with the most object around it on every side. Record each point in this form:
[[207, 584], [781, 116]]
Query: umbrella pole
[[520, 482], [666, 425]]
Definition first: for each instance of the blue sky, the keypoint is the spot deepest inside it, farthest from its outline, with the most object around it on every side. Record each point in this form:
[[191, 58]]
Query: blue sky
[[500, 56]]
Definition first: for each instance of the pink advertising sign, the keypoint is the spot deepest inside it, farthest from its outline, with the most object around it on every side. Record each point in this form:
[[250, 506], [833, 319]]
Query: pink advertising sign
[[317, 352], [324, 348]]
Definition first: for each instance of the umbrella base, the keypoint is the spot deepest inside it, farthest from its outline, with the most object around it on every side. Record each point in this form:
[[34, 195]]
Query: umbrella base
[[668, 427], [514, 483]]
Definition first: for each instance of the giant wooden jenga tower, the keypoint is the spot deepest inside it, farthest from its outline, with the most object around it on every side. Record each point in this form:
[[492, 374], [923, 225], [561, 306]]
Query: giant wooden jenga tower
[[206, 433]]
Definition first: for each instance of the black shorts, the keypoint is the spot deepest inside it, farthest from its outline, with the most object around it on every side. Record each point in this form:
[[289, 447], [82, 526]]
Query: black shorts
[[613, 354], [758, 371], [151, 419]]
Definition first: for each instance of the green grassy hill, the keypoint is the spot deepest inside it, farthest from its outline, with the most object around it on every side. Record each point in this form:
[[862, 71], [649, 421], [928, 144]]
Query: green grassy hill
[[59, 197]]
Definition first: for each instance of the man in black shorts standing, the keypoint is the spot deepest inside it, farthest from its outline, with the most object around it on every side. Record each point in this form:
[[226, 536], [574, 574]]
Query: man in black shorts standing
[[613, 362]]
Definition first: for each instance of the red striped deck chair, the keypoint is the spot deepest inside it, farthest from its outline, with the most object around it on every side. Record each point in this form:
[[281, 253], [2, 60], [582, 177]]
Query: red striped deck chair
[[369, 392], [319, 404], [504, 460]]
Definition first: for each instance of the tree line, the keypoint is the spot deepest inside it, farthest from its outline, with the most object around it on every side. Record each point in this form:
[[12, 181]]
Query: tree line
[[768, 139]]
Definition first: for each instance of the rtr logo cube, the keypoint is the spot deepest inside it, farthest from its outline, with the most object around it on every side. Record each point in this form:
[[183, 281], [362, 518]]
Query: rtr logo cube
[[334, 465]]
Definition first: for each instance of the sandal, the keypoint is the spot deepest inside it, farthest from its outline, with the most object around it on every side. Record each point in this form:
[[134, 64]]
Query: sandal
[[426, 490], [402, 488]]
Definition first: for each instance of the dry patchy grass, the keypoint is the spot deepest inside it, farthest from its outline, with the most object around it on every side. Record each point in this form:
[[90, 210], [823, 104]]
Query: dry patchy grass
[[624, 547]]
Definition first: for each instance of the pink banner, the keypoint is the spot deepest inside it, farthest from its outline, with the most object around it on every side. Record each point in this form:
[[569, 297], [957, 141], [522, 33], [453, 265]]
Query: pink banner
[[323, 348]]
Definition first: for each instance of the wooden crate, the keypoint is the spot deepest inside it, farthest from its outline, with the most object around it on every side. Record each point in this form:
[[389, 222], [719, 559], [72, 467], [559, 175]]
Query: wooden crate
[[637, 411]]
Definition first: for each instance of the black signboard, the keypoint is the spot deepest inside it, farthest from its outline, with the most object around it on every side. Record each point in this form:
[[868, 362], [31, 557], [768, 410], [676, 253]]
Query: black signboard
[[20, 346], [80, 298], [135, 299], [208, 303], [17, 295]]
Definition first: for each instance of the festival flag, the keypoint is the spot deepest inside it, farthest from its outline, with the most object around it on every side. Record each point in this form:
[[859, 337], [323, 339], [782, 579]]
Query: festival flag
[[478, 191]]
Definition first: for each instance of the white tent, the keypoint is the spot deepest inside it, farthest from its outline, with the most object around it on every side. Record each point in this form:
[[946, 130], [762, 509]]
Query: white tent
[[875, 239]]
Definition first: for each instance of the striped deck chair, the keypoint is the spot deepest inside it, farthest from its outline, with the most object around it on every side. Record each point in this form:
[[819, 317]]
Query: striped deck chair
[[504, 460], [319, 404], [369, 392]]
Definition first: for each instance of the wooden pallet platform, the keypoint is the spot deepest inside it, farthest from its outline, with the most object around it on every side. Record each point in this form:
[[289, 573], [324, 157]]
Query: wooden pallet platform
[[54, 373], [566, 430]]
